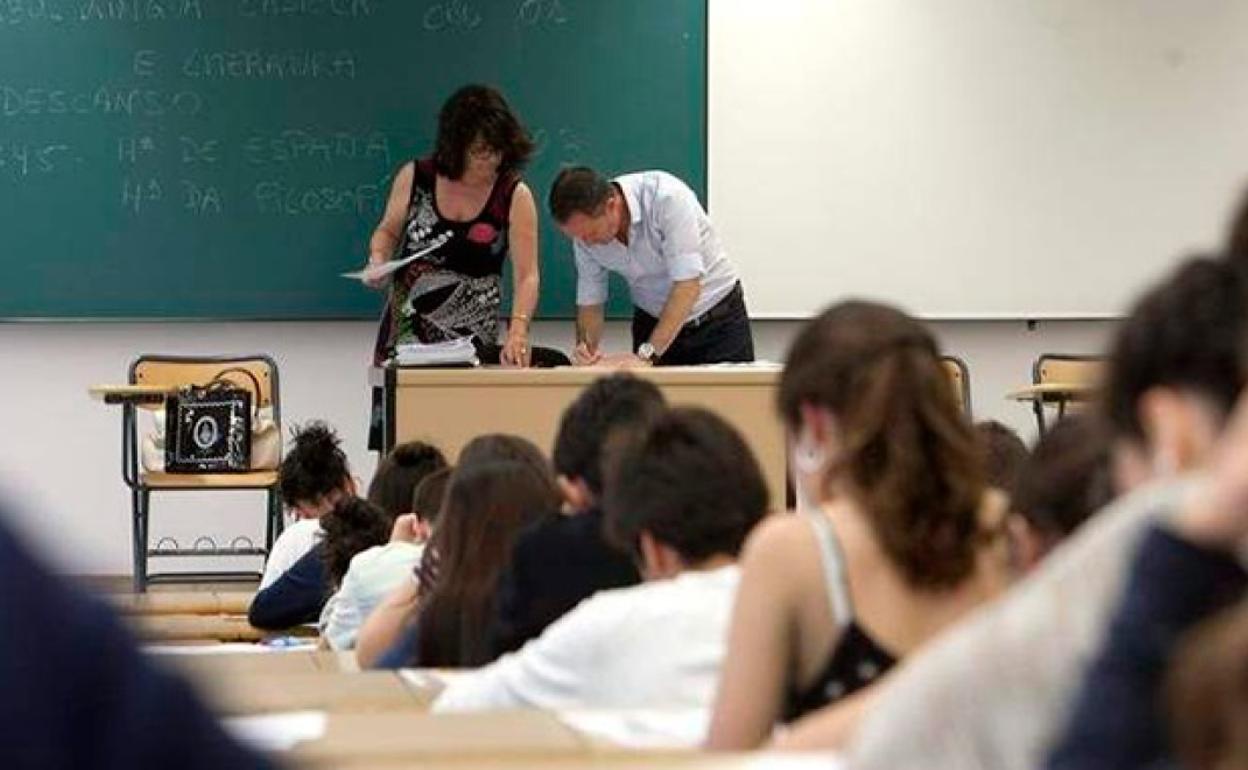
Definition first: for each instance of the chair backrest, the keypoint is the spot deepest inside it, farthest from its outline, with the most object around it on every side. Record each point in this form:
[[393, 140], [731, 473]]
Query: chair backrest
[[960, 379], [1067, 369], [200, 370]]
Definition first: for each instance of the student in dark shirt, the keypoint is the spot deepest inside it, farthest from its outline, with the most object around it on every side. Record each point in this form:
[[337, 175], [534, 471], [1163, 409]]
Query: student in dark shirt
[[76, 693], [566, 558]]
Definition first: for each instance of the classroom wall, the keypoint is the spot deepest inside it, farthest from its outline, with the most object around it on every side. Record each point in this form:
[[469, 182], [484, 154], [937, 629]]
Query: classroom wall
[[60, 459]]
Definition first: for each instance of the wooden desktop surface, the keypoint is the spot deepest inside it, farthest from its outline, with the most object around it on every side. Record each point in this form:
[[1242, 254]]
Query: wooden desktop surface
[[450, 407]]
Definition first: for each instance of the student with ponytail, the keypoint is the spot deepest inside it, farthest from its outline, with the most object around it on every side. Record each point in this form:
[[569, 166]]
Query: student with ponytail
[[895, 536]]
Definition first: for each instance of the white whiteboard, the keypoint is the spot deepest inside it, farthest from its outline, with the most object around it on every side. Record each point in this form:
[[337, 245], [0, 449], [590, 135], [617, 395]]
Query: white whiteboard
[[972, 158]]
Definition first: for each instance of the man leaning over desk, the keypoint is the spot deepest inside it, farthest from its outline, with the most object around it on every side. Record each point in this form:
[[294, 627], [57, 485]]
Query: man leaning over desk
[[688, 305]]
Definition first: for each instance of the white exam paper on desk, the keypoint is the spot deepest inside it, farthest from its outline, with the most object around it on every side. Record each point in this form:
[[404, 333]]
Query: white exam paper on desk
[[277, 732]]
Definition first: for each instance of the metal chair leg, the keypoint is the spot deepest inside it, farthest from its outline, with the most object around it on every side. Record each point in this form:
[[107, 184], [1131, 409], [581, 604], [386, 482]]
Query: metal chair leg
[[140, 501]]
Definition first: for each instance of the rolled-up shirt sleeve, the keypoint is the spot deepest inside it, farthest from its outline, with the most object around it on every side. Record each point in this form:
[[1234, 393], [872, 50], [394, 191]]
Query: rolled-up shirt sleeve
[[682, 239], [591, 277]]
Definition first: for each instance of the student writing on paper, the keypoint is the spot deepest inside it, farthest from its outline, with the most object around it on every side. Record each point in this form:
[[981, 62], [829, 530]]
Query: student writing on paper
[[467, 209], [996, 690], [567, 557], [688, 304], [682, 497], [899, 537]]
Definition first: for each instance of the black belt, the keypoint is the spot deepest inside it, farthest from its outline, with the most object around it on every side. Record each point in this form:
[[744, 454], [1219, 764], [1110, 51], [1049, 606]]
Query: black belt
[[722, 309]]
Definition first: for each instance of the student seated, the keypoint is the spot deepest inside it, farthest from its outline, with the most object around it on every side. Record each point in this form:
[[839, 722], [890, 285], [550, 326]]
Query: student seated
[[312, 478], [1185, 570], [682, 497], [389, 637], [1064, 481], [372, 549], [896, 541], [567, 558], [78, 694], [995, 691], [1004, 454]]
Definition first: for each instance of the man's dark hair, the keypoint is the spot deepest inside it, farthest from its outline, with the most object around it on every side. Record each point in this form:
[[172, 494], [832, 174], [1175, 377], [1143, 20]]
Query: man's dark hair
[[1004, 453], [578, 190], [1186, 333], [611, 403], [398, 474], [314, 467], [479, 112], [690, 481], [1066, 479], [351, 526], [430, 495]]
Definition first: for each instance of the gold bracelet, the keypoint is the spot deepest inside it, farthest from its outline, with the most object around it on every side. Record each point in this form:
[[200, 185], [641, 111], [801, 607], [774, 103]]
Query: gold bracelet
[[521, 317]]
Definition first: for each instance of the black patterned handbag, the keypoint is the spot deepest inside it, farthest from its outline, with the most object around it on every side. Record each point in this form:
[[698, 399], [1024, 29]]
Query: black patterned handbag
[[209, 427]]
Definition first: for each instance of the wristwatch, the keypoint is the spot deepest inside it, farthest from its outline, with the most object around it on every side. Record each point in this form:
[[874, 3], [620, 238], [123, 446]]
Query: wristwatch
[[646, 350]]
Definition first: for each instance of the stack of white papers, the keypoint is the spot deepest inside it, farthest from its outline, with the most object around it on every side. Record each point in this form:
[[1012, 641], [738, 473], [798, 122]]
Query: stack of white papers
[[455, 352]]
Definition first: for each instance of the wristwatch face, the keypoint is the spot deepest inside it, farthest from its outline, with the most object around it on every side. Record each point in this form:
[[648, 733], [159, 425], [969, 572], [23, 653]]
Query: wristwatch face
[[646, 350]]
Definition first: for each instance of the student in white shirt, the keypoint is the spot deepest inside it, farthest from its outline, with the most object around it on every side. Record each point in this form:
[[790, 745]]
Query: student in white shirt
[[688, 304], [375, 572], [682, 496]]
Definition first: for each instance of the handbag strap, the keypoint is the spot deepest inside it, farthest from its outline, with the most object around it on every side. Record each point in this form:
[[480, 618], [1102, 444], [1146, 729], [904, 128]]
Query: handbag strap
[[221, 380]]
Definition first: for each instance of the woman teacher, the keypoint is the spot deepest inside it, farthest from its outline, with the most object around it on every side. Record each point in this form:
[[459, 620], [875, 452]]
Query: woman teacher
[[464, 210]]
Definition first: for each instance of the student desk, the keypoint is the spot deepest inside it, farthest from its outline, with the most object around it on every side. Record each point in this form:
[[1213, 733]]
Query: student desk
[[449, 407], [1058, 393]]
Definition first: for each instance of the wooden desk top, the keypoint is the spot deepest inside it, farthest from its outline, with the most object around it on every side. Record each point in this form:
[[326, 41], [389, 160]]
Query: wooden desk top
[[137, 394], [580, 375], [1054, 392]]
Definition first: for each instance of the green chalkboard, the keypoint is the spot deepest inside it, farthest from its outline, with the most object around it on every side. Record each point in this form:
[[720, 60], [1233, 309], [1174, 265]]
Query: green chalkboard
[[226, 159]]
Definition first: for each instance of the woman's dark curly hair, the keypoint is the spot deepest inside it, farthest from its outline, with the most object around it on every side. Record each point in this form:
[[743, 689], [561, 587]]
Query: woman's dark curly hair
[[479, 112], [352, 526], [314, 467]]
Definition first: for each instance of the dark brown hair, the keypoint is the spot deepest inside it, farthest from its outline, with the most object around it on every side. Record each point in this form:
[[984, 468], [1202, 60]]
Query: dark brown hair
[[1206, 694], [1004, 453], [1186, 333], [690, 480], [907, 452], [578, 190], [1066, 479], [430, 494], [399, 472], [486, 508], [351, 526], [479, 112]]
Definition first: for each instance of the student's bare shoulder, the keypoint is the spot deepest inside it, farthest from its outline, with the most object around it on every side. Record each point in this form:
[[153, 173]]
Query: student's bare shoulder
[[779, 538]]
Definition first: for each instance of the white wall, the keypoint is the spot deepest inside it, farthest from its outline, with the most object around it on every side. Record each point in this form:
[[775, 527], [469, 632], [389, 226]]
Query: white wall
[[967, 158], [60, 451]]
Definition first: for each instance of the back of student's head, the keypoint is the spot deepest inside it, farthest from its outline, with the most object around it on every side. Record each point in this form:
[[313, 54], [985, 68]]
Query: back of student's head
[[314, 468], [690, 481], [399, 472], [500, 447], [1065, 481], [1185, 335], [352, 525], [1206, 694], [429, 495], [620, 401], [486, 506], [1004, 453], [903, 449]]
